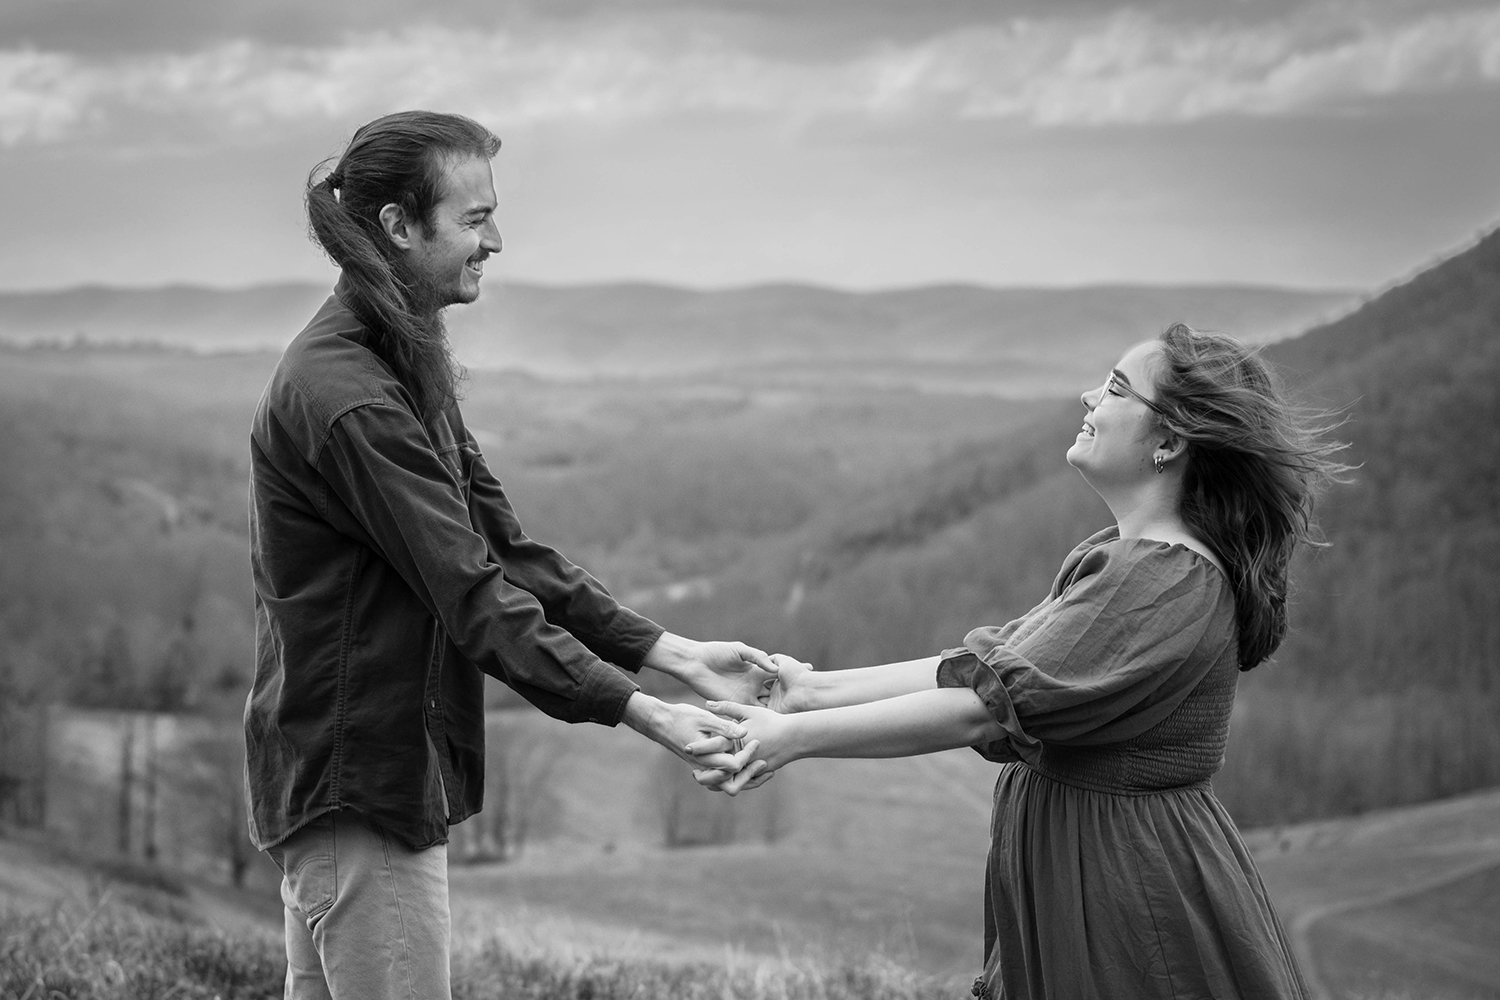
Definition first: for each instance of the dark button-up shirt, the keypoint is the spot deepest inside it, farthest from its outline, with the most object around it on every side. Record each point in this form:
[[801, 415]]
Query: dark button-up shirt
[[391, 573]]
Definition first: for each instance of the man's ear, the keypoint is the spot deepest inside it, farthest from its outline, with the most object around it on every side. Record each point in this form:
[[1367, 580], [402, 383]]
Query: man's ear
[[393, 221]]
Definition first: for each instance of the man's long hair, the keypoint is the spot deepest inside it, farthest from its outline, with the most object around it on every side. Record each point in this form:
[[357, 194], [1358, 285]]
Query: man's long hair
[[1255, 466], [400, 159]]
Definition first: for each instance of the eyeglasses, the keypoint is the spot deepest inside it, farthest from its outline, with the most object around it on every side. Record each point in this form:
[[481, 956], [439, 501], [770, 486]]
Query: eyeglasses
[[1116, 385]]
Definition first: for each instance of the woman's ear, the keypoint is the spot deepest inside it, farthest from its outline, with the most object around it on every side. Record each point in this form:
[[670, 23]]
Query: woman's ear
[[1169, 446], [393, 221]]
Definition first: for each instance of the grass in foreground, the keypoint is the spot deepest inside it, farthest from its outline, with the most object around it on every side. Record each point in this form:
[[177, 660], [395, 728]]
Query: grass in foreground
[[116, 951]]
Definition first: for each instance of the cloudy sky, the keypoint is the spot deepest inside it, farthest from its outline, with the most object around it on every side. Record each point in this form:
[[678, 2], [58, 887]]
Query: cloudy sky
[[857, 143]]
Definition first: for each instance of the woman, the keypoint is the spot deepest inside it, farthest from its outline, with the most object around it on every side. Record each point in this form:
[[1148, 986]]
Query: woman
[[1113, 870]]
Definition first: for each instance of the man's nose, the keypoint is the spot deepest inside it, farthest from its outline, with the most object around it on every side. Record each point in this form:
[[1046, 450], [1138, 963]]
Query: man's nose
[[489, 236]]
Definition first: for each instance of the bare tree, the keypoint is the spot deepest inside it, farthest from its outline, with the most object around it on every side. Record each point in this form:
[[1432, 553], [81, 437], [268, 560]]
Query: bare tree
[[209, 770], [520, 799], [690, 814], [126, 799], [23, 745], [774, 808]]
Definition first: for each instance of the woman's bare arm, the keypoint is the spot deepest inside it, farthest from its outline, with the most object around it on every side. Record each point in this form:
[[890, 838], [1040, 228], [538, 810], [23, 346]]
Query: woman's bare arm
[[799, 688], [901, 726]]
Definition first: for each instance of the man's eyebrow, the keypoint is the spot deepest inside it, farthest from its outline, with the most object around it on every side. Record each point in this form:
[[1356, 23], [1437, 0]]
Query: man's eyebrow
[[1120, 375]]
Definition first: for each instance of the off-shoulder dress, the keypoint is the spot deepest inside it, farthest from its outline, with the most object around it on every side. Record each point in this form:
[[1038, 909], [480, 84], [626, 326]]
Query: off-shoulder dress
[[1114, 872]]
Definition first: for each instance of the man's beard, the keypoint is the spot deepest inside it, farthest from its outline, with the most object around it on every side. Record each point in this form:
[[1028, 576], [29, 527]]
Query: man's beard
[[427, 300], [420, 354]]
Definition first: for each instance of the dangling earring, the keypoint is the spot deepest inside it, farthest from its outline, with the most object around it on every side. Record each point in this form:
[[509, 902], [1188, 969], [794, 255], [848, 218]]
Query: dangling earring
[[1159, 462]]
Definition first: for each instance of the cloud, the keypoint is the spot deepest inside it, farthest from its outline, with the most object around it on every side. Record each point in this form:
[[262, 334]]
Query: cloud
[[43, 97], [1130, 70], [1123, 67]]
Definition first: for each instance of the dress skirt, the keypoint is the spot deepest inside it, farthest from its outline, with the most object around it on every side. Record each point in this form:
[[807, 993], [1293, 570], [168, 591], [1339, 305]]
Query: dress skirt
[[1122, 896]]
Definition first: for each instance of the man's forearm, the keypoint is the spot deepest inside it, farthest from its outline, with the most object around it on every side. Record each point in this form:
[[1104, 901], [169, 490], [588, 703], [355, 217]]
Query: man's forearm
[[639, 713], [674, 655]]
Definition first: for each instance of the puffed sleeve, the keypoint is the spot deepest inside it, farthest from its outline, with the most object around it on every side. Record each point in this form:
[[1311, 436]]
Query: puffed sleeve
[[1131, 627]]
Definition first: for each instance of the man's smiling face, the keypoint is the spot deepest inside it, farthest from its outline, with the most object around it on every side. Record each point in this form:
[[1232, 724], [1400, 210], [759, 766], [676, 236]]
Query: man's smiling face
[[448, 261]]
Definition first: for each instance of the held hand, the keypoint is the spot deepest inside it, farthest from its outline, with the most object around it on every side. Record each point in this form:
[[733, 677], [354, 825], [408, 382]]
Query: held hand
[[769, 732], [729, 671], [789, 691], [746, 772], [676, 726], [784, 691], [752, 775]]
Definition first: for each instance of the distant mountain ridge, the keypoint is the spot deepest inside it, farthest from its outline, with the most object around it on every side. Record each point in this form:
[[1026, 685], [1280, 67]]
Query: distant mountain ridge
[[262, 317], [1040, 335]]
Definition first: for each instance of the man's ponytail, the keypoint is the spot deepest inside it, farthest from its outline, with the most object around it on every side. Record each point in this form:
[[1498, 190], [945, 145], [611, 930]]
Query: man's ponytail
[[399, 159]]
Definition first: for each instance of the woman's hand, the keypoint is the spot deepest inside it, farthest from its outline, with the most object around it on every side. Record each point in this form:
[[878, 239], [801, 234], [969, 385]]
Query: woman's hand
[[773, 736], [767, 691], [790, 689]]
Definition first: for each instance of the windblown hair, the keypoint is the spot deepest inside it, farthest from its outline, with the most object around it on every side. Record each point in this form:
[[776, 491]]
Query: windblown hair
[[400, 159], [1255, 466]]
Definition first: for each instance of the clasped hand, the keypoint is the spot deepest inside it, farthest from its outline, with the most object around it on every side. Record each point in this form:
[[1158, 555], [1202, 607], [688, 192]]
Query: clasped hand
[[764, 745]]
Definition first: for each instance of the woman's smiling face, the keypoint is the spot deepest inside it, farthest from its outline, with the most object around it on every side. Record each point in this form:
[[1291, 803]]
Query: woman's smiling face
[[1120, 431]]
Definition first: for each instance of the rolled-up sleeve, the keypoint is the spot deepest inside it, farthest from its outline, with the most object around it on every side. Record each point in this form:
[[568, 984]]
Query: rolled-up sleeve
[[1115, 650], [379, 464]]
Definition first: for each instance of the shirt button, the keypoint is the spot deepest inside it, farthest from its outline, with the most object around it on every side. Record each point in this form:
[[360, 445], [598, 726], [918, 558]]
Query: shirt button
[[434, 703]]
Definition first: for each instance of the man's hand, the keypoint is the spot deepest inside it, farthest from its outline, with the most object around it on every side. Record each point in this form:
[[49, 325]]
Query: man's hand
[[716, 671], [675, 726]]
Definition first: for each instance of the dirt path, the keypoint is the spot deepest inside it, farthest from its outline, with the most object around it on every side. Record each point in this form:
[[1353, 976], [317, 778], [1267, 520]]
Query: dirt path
[[1324, 874], [1304, 923]]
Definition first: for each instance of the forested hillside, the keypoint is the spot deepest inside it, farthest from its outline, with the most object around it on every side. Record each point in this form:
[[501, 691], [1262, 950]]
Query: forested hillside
[[1397, 657], [123, 517], [1408, 594], [1388, 690]]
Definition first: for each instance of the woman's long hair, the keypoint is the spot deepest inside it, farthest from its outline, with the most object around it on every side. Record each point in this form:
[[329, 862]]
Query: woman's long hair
[[400, 159], [1255, 466]]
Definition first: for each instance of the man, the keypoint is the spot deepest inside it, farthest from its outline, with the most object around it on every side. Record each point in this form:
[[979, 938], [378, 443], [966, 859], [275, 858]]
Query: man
[[391, 574]]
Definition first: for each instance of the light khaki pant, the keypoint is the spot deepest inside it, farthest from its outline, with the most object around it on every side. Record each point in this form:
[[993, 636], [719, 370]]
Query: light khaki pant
[[366, 916]]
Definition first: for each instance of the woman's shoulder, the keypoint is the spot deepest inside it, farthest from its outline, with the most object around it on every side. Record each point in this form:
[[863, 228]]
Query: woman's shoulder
[[1143, 563]]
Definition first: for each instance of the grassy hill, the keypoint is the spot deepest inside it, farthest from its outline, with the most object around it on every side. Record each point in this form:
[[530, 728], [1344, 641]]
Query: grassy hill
[[879, 872], [1396, 903]]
